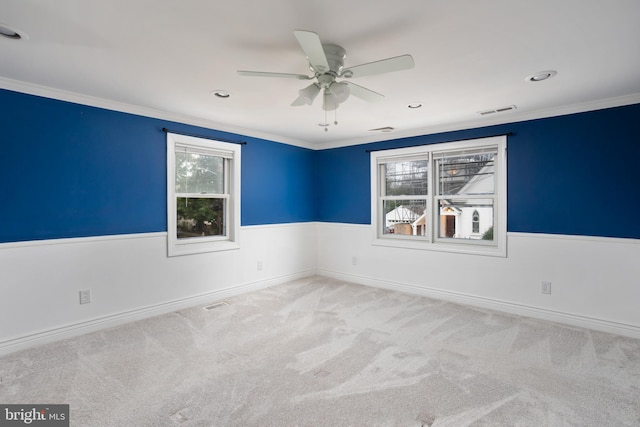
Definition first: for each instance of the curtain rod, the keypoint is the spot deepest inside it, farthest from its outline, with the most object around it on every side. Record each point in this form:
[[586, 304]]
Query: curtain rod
[[165, 130], [442, 142]]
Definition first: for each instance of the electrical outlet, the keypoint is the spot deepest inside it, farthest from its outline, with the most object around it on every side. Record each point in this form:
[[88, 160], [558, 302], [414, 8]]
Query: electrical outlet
[[85, 296], [546, 288], [259, 265], [354, 260]]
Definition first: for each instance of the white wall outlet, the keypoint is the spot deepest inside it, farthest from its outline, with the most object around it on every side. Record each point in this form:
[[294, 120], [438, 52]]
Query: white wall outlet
[[259, 264], [545, 287], [354, 260], [85, 296]]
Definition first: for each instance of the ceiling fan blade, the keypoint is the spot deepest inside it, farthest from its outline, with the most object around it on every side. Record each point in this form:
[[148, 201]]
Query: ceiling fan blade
[[397, 63], [364, 93], [268, 74], [312, 48], [299, 101]]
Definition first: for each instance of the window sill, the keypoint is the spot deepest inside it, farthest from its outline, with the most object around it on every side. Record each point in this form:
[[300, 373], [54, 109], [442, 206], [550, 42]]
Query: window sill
[[460, 248], [191, 248]]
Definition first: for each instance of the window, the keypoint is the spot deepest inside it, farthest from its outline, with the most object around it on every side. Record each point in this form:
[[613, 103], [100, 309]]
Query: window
[[475, 222], [449, 196], [203, 195]]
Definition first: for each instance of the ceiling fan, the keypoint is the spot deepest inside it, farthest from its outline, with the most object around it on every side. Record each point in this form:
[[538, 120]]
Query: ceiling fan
[[326, 61]]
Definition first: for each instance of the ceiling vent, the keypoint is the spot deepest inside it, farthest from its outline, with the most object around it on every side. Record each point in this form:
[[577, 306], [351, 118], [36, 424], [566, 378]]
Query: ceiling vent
[[497, 110]]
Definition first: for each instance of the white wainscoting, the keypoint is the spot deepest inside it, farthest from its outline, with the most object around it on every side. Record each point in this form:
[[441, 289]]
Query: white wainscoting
[[131, 277], [595, 281]]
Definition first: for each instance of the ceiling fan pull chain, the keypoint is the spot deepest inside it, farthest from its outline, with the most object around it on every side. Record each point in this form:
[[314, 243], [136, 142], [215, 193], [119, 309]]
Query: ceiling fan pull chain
[[326, 124]]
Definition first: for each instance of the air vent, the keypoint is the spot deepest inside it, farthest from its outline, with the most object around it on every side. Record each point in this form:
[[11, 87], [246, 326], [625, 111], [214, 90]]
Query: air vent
[[497, 110], [384, 129], [216, 305]]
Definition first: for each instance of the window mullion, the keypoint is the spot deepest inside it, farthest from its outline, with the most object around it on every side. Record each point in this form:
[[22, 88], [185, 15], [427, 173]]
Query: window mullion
[[382, 192], [227, 189], [202, 195], [404, 197], [430, 192], [467, 196]]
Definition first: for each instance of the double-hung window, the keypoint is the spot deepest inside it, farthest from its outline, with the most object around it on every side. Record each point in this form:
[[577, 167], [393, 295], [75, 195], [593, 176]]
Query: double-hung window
[[449, 196], [203, 195]]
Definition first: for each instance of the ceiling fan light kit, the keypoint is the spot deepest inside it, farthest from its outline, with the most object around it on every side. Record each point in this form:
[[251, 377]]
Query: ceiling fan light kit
[[340, 91], [307, 95], [326, 61]]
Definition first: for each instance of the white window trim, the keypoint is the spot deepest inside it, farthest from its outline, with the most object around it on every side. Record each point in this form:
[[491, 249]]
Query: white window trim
[[429, 242], [197, 245]]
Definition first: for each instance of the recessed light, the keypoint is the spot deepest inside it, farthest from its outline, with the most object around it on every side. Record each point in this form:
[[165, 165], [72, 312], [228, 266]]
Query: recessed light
[[220, 93], [11, 33], [542, 75], [415, 105]]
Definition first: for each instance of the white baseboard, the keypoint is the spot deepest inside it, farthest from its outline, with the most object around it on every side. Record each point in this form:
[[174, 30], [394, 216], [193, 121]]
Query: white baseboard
[[603, 325], [105, 322]]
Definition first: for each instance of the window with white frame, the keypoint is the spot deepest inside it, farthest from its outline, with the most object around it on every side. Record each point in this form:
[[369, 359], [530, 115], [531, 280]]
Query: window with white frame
[[475, 225], [203, 195], [450, 196]]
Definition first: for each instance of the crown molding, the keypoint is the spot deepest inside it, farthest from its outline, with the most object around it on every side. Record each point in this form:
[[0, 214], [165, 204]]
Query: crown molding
[[107, 104], [512, 117]]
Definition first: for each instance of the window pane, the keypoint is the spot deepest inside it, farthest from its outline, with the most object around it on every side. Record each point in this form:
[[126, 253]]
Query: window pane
[[406, 178], [199, 173], [466, 174], [200, 217], [405, 217], [457, 219]]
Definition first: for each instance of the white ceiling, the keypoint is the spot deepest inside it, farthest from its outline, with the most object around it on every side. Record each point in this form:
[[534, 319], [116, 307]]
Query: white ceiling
[[163, 58]]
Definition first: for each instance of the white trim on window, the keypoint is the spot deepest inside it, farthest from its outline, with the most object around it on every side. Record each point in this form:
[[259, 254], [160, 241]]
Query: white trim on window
[[230, 154], [433, 219]]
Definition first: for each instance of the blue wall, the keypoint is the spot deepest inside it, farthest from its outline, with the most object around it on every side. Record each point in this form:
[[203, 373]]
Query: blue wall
[[278, 182], [575, 174], [71, 170]]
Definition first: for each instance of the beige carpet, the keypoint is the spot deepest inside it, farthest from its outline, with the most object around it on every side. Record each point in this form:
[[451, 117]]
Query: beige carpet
[[319, 352]]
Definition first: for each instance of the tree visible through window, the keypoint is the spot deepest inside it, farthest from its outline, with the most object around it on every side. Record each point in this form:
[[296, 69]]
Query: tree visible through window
[[201, 190], [202, 194]]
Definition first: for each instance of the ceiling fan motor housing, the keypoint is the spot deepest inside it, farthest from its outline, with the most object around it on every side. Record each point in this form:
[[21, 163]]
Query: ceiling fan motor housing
[[325, 80]]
